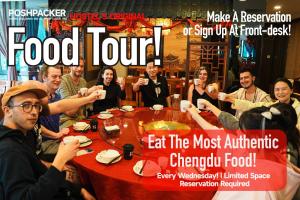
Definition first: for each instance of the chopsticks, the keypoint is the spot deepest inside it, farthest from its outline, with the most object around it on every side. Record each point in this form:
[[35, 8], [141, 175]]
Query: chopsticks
[[104, 113], [86, 128], [86, 141], [144, 164], [124, 110], [114, 159]]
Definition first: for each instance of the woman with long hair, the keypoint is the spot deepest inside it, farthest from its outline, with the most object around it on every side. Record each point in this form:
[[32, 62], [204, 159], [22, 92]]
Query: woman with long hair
[[108, 79], [203, 88]]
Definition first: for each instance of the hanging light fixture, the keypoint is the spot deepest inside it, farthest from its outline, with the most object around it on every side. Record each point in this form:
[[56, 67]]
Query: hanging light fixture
[[164, 22]]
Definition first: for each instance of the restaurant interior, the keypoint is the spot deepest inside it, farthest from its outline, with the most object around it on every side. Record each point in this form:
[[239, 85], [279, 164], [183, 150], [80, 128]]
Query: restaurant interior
[[269, 57]]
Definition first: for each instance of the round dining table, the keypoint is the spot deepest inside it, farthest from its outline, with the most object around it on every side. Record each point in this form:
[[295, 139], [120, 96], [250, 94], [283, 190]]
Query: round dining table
[[118, 180]]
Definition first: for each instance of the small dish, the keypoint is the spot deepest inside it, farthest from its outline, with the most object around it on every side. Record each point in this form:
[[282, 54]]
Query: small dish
[[105, 116], [83, 140], [158, 107], [87, 127], [80, 126], [86, 143], [150, 168], [106, 156], [128, 108]]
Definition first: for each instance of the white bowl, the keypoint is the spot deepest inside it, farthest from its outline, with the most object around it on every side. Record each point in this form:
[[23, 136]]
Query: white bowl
[[158, 107], [128, 108], [176, 96]]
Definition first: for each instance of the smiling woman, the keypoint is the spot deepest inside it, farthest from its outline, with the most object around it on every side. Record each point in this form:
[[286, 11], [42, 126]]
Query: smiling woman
[[108, 78]]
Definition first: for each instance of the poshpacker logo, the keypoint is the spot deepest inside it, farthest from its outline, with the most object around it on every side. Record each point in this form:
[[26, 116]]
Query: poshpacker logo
[[51, 13]]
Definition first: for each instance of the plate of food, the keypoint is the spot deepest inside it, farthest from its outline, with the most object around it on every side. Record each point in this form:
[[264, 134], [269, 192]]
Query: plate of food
[[105, 115], [108, 156], [83, 140], [81, 126]]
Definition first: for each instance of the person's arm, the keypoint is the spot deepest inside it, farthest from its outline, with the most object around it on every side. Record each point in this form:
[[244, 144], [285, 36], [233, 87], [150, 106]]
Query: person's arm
[[65, 105], [136, 86], [214, 93], [65, 153], [51, 134], [208, 106], [190, 93], [48, 133], [231, 96], [200, 121], [86, 195], [244, 105], [228, 121], [65, 92]]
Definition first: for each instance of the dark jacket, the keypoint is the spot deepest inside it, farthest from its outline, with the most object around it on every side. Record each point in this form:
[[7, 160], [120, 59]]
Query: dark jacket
[[22, 175], [149, 94], [111, 100]]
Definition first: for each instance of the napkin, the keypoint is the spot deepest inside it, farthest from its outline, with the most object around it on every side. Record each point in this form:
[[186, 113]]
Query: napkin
[[112, 128]]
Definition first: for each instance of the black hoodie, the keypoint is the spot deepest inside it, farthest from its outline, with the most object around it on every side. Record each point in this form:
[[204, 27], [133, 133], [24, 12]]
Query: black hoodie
[[22, 175]]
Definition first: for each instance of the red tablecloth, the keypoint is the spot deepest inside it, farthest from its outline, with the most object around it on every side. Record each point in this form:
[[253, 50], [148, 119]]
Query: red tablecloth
[[118, 181]]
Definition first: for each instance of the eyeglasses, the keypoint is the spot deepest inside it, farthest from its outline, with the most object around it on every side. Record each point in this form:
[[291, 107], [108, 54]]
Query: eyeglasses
[[27, 107]]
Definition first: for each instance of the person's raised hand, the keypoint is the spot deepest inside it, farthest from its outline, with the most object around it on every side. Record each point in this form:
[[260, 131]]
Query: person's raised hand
[[65, 153]]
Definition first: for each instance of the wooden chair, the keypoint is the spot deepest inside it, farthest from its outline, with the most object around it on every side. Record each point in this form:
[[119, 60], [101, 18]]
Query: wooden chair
[[135, 100], [296, 86], [132, 98]]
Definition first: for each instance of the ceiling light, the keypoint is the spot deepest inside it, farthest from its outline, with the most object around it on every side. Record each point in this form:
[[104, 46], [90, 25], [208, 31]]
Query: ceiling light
[[242, 0], [277, 7]]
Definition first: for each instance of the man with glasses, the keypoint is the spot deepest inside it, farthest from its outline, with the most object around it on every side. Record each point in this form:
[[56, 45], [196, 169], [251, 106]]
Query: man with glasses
[[22, 175], [154, 87]]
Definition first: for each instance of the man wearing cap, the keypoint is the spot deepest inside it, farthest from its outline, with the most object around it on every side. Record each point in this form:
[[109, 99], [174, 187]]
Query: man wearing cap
[[22, 175], [61, 106]]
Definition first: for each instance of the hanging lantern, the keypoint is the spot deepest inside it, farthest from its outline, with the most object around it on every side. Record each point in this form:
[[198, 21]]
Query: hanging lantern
[[164, 22]]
